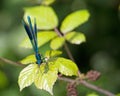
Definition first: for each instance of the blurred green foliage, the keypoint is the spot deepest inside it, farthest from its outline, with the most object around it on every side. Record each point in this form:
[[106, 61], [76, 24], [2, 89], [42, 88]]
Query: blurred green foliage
[[100, 52]]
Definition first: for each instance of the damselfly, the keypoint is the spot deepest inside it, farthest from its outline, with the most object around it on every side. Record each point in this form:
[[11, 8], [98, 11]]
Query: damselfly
[[32, 34]]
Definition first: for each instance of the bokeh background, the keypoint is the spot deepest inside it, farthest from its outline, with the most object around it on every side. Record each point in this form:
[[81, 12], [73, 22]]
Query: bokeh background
[[101, 52]]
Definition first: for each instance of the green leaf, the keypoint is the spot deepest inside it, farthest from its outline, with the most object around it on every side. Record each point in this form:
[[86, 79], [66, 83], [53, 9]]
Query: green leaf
[[28, 60], [44, 76], [57, 43], [74, 20], [118, 94], [47, 2], [92, 94], [27, 76], [3, 80], [52, 53], [43, 37], [45, 16], [67, 67], [75, 37], [45, 79]]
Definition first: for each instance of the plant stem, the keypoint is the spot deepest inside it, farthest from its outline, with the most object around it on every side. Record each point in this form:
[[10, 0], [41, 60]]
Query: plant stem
[[88, 85], [58, 32], [83, 82], [11, 62], [96, 88], [65, 45], [68, 52]]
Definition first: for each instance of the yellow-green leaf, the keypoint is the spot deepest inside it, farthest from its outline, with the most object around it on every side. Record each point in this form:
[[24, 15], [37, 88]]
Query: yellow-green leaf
[[45, 16], [92, 94], [3, 80], [28, 60], [67, 67], [75, 37], [27, 76], [52, 53], [47, 2], [45, 79], [43, 37], [74, 20], [118, 94], [57, 43]]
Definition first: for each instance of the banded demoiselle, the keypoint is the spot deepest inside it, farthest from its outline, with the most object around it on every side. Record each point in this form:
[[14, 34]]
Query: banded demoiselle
[[32, 34]]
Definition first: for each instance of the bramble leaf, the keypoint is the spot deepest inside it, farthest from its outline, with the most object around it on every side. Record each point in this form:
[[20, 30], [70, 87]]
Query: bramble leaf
[[52, 53], [45, 16], [28, 60], [45, 79], [57, 43], [44, 76], [67, 67], [74, 20], [43, 37], [27, 76], [75, 37]]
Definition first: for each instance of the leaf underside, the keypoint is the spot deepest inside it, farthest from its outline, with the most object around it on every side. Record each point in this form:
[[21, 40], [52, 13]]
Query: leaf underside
[[27, 76], [43, 76], [46, 80]]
